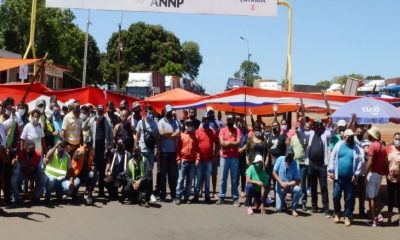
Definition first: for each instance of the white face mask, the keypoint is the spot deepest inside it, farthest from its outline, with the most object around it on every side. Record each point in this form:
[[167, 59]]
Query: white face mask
[[8, 112], [284, 127], [396, 143], [83, 116], [21, 112], [41, 109]]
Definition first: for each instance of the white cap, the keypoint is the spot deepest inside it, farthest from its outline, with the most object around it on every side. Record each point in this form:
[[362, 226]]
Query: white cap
[[258, 158], [348, 132], [341, 123]]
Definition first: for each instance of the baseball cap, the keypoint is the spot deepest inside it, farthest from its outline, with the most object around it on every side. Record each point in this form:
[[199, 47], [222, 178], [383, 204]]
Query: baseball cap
[[317, 120], [168, 108], [258, 158], [348, 132], [341, 123]]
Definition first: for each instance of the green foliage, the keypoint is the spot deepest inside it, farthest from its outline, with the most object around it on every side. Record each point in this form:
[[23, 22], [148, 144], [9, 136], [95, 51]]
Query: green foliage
[[145, 48], [324, 83], [374, 77], [342, 79], [171, 68], [248, 71], [56, 34], [192, 59]]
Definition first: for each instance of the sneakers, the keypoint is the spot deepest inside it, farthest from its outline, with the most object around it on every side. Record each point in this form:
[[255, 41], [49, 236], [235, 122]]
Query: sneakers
[[220, 201], [347, 222], [195, 200], [304, 208], [337, 218], [153, 199], [236, 203], [89, 200], [380, 218], [327, 214], [372, 223], [208, 200], [249, 211], [177, 201], [294, 213]]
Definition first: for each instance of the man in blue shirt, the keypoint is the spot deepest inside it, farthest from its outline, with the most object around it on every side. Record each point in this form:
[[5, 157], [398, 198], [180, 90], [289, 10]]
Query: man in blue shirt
[[286, 173], [344, 167]]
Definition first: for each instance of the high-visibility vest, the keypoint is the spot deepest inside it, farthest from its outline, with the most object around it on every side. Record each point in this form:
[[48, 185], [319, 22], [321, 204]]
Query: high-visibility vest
[[131, 168], [57, 169]]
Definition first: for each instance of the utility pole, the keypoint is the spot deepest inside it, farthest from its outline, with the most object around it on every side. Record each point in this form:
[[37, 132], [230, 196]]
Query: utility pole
[[289, 45], [119, 47], [248, 58], [86, 50]]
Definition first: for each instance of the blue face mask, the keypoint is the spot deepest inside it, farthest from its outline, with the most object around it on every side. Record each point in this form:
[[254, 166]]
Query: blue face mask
[[206, 125], [150, 117]]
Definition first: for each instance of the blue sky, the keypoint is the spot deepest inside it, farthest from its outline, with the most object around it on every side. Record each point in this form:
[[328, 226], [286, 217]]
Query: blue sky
[[330, 38]]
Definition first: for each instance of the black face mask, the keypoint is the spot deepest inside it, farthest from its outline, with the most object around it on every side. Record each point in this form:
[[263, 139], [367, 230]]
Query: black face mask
[[230, 124], [120, 148], [360, 137], [258, 166], [136, 156], [289, 158], [192, 117], [168, 115], [350, 140], [276, 129]]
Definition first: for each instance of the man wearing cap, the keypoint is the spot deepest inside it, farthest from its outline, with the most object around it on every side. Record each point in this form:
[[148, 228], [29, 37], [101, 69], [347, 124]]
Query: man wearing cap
[[208, 147], [341, 127], [54, 126], [376, 169], [256, 185], [229, 138], [123, 130], [136, 116], [72, 129], [169, 137], [286, 173], [193, 117], [187, 158], [102, 143], [317, 153], [84, 169], [344, 168], [25, 166]]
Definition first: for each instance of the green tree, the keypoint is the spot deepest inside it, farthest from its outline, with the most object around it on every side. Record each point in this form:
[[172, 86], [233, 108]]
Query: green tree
[[342, 79], [374, 77], [248, 71], [171, 68], [56, 34], [192, 59], [145, 48], [324, 83]]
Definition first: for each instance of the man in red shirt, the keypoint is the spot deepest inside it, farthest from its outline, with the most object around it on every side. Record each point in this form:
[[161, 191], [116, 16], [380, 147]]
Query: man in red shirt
[[376, 169], [229, 138], [25, 166], [208, 145]]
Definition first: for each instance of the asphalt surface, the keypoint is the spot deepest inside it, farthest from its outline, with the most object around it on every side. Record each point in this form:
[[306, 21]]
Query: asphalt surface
[[112, 220]]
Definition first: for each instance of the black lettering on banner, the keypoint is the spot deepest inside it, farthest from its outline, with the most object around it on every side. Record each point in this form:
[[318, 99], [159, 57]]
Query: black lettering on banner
[[167, 3]]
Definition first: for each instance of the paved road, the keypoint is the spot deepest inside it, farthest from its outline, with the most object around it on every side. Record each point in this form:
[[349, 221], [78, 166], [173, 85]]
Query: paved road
[[168, 221]]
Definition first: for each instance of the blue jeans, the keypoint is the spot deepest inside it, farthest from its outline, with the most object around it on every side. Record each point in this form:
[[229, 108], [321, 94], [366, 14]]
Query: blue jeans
[[204, 170], [60, 186], [252, 193], [148, 159], [186, 173], [232, 165], [281, 195], [303, 173], [89, 179], [16, 177], [343, 184]]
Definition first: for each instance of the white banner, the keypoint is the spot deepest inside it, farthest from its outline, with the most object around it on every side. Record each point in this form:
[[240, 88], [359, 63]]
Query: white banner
[[221, 7], [23, 72]]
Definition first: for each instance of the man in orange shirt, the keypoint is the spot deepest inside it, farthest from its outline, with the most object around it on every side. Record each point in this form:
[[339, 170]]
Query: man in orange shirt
[[187, 155], [84, 170]]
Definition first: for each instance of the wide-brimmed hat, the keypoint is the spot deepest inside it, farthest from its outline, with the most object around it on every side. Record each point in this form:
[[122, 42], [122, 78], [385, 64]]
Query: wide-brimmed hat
[[375, 133]]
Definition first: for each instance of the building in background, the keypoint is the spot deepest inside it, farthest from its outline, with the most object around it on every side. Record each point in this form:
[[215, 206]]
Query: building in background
[[145, 84]]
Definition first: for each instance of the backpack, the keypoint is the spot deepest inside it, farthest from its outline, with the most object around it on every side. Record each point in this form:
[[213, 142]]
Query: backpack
[[149, 139]]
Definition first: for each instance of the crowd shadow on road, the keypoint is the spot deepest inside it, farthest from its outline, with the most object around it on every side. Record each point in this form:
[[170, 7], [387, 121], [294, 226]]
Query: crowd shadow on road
[[23, 215]]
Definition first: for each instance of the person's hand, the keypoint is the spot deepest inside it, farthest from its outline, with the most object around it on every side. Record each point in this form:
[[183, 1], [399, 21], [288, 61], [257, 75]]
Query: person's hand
[[14, 162], [247, 162], [55, 133], [250, 111], [331, 177], [283, 185], [46, 161], [354, 179], [108, 173], [178, 162], [71, 186], [275, 107], [136, 185], [197, 163], [353, 117], [260, 184]]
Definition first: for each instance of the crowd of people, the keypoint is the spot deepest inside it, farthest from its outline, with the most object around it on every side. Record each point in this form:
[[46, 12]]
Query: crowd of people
[[52, 151]]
